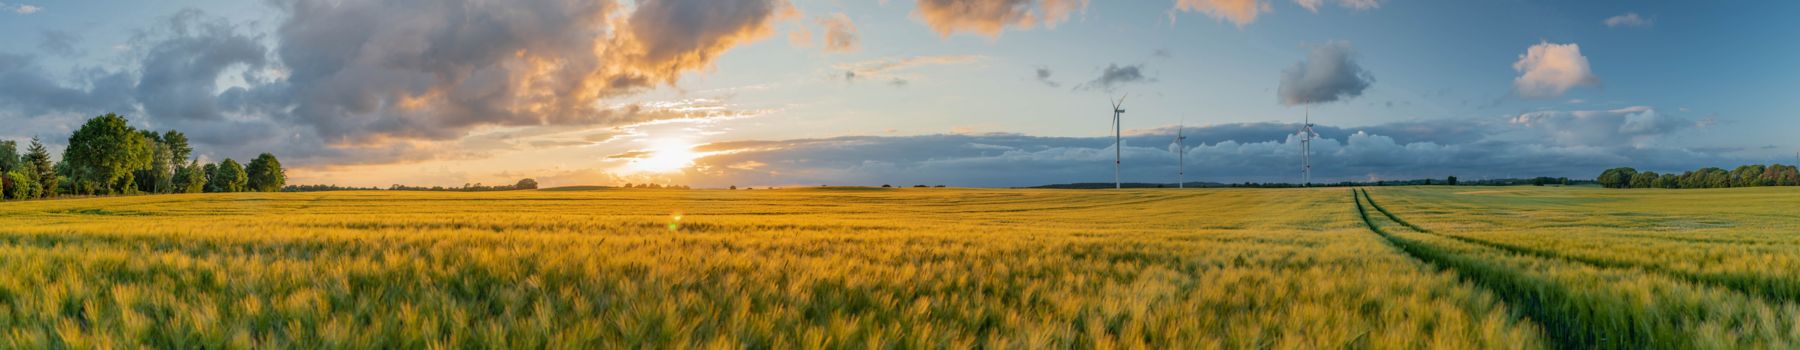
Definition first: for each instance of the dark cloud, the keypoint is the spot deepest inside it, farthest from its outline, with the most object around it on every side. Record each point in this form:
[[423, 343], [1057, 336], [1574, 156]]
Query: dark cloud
[[1329, 73], [1043, 76], [432, 70], [1114, 76], [1222, 153], [185, 57], [394, 80]]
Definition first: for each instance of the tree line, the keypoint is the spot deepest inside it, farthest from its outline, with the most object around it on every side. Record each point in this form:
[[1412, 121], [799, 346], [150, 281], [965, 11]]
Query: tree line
[[107, 156], [1755, 175]]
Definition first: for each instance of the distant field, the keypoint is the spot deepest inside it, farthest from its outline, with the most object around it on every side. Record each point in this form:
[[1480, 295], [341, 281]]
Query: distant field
[[1515, 267]]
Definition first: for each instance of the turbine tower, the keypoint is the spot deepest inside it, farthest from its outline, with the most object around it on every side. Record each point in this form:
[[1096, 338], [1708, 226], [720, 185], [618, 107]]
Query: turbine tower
[[1181, 154], [1306, 137], [1118, 154]]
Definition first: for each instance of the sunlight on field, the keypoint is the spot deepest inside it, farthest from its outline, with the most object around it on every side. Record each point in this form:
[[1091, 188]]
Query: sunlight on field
[[760, 269], [855, 267]]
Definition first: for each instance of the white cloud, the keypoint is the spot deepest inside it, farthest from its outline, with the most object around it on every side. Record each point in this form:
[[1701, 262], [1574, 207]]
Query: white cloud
[[1549, 70], [1629, 19], [20, 9], [1359, 5]]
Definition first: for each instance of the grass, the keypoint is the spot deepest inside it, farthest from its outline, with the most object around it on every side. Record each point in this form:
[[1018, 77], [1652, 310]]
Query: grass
[[1422, 267]]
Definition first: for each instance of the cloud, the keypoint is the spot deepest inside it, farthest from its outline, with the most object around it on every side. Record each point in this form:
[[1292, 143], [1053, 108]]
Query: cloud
[[800, 37], [1043, 76], [894, 69], [991, 17], [59, 43], [1114, 76], [1548, 70], [1240, 12], [1629, 19], [1329, 73], [1359, 5], [394, 80], [433, 71], [20, 9], [840, 33], [1220, 153], [1637, 126]]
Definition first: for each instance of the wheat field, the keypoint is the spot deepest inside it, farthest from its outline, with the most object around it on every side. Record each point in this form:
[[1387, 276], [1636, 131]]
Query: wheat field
[[1417, 267]]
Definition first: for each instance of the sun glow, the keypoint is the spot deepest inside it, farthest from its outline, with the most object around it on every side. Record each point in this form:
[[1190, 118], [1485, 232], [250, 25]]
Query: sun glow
[[665, 156]]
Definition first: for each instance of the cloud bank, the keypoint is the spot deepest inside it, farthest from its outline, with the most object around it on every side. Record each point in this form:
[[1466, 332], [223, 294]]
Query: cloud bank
[[1261, 152], [1329, 73]]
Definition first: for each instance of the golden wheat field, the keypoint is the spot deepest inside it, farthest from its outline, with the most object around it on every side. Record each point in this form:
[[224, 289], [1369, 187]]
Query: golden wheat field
[[1415, 267]]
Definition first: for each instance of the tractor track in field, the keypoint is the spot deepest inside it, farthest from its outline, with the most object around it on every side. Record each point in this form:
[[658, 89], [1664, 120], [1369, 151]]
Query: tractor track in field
[[1515, 289], [1778, 290]]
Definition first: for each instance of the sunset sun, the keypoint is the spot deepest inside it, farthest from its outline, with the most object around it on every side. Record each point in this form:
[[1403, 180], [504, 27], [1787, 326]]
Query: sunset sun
[[665, 156]]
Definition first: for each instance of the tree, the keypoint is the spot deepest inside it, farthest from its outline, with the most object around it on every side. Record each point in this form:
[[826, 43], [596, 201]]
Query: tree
[[190, 178], [265, 174], [526, 184], [1450, 181], [38, 159], [9, 156], [179, 150], [230, 177], [18, 186], [104, 151], [210, 171], [1616, 177], [162, 170], [1645, 180]]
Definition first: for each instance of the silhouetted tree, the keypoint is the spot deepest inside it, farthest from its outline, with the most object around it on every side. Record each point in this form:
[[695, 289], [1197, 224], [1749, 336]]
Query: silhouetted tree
[[526, 184]]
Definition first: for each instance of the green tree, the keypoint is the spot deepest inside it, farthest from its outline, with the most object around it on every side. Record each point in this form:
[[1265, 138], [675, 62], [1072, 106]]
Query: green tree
[[179, 150], [105, 151], [18, 186], [37, 158], [1645, 180], [526, 184], [231, 177], [1616, 177], [265, 174], [211, 172], [9, 156], [1450, 181], [190, 178]]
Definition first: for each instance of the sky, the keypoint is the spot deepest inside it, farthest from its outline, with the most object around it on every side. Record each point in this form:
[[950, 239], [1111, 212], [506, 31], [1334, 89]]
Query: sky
[[992, 93]]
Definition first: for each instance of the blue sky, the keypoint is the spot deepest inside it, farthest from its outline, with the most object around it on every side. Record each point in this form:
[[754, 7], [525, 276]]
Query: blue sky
[[751, 92]]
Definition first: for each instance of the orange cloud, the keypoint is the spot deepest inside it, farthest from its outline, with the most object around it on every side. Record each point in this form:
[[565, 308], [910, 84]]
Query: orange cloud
[[991, 17], [1241, 12]]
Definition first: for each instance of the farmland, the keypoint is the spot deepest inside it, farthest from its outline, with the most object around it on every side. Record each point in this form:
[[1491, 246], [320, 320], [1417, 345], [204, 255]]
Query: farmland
[[1411, 267]]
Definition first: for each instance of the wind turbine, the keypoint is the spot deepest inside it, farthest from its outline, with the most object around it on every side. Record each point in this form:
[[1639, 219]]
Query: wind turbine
[[1118, 134], [1181, 153], [1306, 137]]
